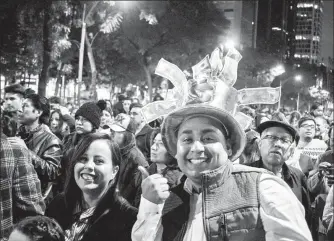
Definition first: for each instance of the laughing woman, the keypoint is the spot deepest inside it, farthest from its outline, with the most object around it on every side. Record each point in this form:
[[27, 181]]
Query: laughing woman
[[90, 208]]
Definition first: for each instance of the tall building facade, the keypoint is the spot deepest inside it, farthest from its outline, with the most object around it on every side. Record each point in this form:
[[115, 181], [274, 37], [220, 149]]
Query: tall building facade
[[308, 30], [243, 18]]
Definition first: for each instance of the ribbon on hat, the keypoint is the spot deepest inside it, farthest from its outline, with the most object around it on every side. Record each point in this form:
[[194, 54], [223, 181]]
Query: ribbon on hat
[[212, 84]]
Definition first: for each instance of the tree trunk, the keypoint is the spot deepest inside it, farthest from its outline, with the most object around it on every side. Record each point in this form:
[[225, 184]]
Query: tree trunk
[[92, 68], [47, 46], [59, 71]]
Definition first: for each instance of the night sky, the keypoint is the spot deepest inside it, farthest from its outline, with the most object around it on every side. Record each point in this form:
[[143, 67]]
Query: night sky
[[327, 31]]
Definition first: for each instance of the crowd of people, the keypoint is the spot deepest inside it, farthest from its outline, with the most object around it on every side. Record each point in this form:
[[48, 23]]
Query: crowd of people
[[100, 172]]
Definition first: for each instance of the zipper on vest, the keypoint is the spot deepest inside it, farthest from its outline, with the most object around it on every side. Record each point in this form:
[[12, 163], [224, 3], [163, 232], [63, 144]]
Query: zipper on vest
[[222, 230]]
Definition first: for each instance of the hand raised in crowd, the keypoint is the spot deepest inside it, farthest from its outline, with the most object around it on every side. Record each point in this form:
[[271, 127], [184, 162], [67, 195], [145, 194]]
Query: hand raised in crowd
[[154, 188], [17, 141]]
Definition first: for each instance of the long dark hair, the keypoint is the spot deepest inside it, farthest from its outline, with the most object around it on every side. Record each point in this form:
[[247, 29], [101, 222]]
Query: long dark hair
[[72, 191], [61, 120], [172, 162]]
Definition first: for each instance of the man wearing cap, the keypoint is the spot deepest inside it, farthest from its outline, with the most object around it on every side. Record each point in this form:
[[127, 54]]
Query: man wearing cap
[[216, 199], [276, 147]]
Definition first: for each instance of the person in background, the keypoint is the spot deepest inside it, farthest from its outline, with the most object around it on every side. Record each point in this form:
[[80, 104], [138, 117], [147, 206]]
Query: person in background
[[307, 144], [87, 120], [321, 130], [69, 106], [37, 228], [106, 118], [61, 125], [126, 105], [162, 162], [279, 116], [123, 130], [294, 118], [251, 152], [44, 147], [20, 189], [317, 109], [118, 107], [328, 218], [320, 182], [56, 104], [90, 207], [14, 96], [276, 146], [143, 131]]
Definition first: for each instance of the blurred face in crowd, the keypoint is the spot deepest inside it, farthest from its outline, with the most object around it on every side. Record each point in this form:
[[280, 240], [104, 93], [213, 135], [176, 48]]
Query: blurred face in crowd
[[29, 113], [294, 122], [201, 146], [136, 115], [307, 130], [54, 122], [94, 169], [105, 118], [275, 147], [321, 125], [82, 125], [126, 105], [159, 153], [319, 111], [118, 137], [13, 102]]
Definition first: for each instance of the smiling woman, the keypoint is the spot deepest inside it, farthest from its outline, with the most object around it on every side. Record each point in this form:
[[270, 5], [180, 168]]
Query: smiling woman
[[90, 205]]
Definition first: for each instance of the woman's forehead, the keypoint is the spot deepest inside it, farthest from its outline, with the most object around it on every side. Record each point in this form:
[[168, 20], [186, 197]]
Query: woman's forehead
[[200, 123]]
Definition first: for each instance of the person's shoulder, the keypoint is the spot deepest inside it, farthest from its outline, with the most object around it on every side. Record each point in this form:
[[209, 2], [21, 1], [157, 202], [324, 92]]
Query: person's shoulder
[[295, 171], [251, 167]]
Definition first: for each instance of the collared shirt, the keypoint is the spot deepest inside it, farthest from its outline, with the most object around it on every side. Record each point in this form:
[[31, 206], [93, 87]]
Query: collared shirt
[[78, 227], [20, 188], [281, 213]]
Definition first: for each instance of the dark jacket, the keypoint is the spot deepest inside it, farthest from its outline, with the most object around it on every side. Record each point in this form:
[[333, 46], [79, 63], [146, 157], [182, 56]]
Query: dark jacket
[[143, 141], [46, 151], [129, 182], [112, 219], [297, 182]]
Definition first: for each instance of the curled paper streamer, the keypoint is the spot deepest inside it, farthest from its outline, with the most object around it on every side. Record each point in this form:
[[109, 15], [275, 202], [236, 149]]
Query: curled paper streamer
[[213, 78], [155, 110], [174, 74], [265, 95]]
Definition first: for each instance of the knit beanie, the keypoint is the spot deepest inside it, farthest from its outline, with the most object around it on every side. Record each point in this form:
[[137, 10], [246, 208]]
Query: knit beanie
[[91, 112]]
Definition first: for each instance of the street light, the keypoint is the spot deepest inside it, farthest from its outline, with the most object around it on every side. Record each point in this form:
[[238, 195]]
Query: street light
[[229, 44], [298, 78]]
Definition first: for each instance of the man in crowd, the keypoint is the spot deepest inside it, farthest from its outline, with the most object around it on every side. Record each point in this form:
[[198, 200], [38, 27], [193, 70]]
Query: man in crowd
[[321, 128], [276, 146], [216, 200], [319, 183], [12, 107], [118, 107], [143, 130], [307, 144], [20, 189], [43, 145]]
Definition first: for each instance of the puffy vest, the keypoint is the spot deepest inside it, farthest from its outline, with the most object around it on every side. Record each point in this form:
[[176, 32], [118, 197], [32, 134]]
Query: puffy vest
[[231, 207]]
